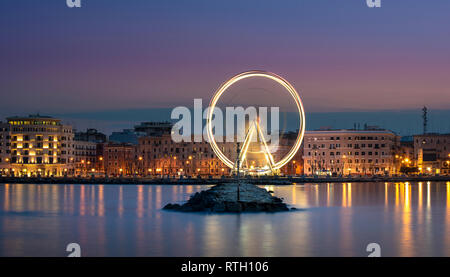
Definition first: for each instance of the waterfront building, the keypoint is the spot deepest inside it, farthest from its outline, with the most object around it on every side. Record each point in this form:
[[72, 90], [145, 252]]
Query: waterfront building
[[161, 156], [357, 152], [295, 166], [119, 159], [404, 156], [100, 161], [89, 152], [4, 149], [40, 146], [85, 157], [432, 153]]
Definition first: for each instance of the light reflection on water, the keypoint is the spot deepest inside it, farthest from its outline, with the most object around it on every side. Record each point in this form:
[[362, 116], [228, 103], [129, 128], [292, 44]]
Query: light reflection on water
[[336, 219]]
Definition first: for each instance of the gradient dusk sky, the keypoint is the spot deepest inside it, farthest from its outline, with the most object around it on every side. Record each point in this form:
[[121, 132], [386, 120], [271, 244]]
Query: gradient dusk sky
[[137, 54]]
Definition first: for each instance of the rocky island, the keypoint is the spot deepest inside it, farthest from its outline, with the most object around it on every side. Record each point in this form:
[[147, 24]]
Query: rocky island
[[223, 199]]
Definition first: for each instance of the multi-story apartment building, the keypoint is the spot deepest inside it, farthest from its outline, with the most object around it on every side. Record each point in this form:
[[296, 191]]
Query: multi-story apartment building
[[432, 153], [5, 156], [404, 156], [88, 152], [40, 146], [119, 159], [343, 152], [85, 157], [161, 156], [295, 166]]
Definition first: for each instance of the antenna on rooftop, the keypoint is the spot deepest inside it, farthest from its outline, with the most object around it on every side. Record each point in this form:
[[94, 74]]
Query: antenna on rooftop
[[425, 119]]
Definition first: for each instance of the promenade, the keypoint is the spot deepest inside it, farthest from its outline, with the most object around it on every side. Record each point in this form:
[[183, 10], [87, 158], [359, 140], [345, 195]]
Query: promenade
[[281, 180]]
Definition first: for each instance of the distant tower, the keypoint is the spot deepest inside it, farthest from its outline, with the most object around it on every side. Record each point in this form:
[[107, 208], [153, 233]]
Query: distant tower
[[425, 119]]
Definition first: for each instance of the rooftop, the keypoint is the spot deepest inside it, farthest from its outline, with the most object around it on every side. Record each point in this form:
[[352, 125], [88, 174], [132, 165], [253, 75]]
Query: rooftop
[[32, 116], [432, 135], [353, 131]]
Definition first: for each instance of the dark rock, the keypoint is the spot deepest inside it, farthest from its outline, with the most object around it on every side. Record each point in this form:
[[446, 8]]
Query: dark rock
[[233, 207], [223, 198], [172, 207], [218, 207], [252, 207]]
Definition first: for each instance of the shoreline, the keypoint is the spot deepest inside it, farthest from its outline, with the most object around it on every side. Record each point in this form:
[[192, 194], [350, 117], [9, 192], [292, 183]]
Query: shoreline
[[215, 181]]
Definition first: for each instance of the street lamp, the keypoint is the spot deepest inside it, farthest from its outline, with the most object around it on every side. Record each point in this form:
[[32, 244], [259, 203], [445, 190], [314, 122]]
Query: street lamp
[[343, 164], [140, 167], [82, 167]]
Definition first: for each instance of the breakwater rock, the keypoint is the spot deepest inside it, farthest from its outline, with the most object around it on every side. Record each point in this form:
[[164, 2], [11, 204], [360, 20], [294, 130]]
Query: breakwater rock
[[223, 199]]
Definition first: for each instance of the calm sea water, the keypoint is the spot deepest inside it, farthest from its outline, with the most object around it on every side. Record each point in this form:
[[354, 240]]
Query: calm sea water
[[405, 219]]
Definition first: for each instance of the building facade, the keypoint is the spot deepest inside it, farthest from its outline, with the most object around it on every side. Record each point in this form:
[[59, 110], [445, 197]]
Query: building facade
[[432, 153], [344, 152], [40, 146], [119, 159], [161, 156], [404, 157], [85, 157], [5, 156], [295, 165]]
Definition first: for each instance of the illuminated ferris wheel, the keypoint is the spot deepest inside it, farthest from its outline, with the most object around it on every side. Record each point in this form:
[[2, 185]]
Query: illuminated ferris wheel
[[255, 142]]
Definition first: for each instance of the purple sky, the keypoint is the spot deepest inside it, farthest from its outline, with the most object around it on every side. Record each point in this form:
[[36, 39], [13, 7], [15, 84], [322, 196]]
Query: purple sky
[[134, 54]]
